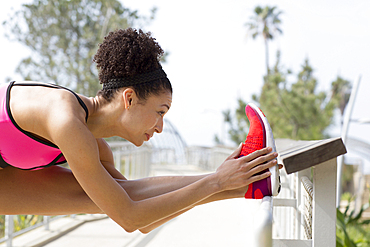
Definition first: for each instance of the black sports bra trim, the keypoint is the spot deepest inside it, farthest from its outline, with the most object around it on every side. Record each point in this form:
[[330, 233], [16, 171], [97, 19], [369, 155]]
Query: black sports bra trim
[[56, 87], [3, 163], [29, 134], [54, 162]]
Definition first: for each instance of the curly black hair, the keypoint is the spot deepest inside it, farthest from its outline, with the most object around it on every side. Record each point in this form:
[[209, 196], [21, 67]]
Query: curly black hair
[[126, 53]]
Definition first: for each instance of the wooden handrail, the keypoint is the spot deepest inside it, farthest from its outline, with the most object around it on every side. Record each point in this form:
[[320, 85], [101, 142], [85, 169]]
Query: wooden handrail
[[300, 155]]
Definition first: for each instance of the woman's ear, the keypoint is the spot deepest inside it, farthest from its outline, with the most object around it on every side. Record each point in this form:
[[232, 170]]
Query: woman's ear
[[128, 97]]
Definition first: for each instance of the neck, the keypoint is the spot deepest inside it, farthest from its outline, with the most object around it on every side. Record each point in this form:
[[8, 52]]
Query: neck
[[104, 119]]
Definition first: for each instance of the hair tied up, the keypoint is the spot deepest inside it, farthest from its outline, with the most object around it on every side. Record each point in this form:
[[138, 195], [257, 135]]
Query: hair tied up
[[136, 79]]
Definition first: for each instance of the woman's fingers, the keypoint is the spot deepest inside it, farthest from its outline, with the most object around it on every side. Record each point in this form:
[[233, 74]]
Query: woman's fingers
[[236, 153], [238, 172], [262, 167], [251, 156], [260, 160], [258, 177], [256, 154]]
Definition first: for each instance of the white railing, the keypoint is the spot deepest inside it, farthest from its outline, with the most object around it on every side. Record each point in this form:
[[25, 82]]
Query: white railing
[[207, 158], [133, 162], [308, 218], [304, 213], [308, 204], [10, 234], [262, 222], [305, 210]]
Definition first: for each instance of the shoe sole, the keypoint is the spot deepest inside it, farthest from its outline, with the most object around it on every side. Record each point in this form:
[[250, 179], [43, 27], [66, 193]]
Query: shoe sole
[[270, 142]]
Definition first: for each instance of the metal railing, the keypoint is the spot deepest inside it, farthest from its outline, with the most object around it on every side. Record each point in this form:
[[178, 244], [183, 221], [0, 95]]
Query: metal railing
[[263, 222], [293, 207], [307, 210], [10, 232], [207, 158], [304, 212], [133, 162], [211, 158]]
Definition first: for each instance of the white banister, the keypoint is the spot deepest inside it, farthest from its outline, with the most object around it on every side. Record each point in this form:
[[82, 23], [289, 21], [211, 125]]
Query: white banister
[[9, 229], [303, 161], [324, 204], [262, 223]]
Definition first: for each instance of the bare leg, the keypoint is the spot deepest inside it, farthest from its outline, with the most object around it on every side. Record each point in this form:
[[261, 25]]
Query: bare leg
[[50, 191], [54, 191]]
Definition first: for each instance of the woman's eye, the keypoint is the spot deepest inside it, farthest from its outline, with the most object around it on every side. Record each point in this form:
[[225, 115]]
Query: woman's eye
[[161, 113]]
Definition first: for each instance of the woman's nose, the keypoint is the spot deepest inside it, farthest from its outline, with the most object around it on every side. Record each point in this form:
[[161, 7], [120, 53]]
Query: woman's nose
[[159, 126]]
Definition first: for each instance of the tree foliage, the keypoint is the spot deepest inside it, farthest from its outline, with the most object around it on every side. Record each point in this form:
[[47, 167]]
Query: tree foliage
[[341, 90], [352, 228], [297, 111], [266, 23], [294, 110], [63, 37]]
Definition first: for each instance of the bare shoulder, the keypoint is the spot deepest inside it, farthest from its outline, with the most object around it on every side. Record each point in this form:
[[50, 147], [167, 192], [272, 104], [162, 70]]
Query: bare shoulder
[[40, 110]]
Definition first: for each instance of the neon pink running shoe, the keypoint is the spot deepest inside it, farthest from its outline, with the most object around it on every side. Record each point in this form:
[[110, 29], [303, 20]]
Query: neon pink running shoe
[[260, 136]]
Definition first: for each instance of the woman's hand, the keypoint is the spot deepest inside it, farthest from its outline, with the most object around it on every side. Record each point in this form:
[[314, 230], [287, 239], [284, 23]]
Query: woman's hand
[[237, 172]]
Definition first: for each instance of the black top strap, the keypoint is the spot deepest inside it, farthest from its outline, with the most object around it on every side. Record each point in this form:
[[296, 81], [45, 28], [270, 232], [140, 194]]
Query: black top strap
[[3, 164], [80, 101]]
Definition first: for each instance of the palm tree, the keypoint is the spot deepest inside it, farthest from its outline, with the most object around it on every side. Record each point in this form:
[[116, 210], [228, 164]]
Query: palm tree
[[265, 22], [340, 93]]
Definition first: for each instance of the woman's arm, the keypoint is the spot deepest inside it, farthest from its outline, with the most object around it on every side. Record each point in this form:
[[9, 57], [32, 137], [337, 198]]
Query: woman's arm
[[181, 181], [107, 160], [113, 199], [145, 188]]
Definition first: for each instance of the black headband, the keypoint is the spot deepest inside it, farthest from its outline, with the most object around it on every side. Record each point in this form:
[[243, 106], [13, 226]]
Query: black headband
[[134, 80]]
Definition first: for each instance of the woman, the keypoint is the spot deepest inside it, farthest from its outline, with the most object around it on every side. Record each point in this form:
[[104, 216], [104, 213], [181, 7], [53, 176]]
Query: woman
[[42, 125]]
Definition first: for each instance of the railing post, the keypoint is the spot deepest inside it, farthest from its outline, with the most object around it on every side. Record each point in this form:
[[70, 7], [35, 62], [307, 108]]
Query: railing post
[[46, 220], [300, 202], [324, 215], [127, 166], [117, 164], [9, 229], [321, 155], [263, 223]]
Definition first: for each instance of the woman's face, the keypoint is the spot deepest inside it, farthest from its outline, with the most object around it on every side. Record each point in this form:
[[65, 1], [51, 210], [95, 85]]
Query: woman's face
[[146, 118]]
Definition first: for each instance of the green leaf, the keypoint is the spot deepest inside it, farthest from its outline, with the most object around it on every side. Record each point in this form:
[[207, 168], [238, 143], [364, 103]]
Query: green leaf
[[340, 242], [348, 242]]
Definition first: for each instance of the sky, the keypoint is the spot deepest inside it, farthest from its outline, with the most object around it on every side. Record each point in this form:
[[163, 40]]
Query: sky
[[213, 62]]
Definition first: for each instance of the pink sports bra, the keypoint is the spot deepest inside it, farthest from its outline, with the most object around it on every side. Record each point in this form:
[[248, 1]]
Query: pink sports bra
[[22, 149]]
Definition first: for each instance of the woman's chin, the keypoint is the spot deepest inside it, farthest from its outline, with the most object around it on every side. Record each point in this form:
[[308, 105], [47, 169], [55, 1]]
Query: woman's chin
[[137, 143]]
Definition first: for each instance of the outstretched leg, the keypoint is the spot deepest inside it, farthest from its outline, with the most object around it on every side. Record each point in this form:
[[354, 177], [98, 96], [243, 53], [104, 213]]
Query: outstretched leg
[[55, 191], [50, 191]]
